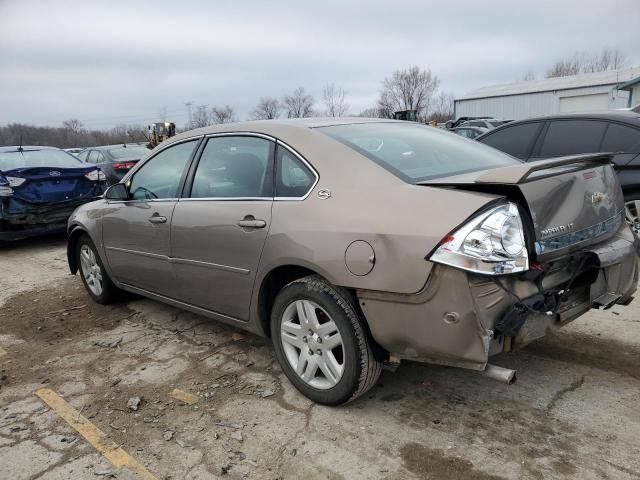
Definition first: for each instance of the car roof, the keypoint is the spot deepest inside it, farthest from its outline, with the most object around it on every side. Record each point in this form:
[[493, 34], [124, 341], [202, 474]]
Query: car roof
[[630, 118], [16, 148], [619, 115], [117, 145]]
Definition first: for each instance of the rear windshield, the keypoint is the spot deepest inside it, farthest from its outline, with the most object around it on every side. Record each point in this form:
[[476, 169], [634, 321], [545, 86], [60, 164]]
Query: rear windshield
[[37, 158], [416, 152], [129, 152]]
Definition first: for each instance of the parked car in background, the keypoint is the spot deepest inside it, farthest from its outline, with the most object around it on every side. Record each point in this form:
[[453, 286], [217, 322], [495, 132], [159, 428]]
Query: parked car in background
[[39, 189], [74, 151], [114, 160], [487, 123], [442, 251], [617, 132], [469, 132]]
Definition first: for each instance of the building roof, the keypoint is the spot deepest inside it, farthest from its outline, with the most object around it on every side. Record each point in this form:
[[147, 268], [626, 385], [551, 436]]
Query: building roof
[[611, 77], [629, 84]]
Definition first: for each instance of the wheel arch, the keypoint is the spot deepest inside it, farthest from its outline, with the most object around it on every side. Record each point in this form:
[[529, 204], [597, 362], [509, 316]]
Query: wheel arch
[[72, 241]]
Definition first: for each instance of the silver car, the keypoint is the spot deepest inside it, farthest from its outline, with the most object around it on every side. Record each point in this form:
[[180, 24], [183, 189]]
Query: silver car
[[353, 243]]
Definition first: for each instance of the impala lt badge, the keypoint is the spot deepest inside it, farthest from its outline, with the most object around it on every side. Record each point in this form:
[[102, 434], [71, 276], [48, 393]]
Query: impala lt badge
[[557, 230]]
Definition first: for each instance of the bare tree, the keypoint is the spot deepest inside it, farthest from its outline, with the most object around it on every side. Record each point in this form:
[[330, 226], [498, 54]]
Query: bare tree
[[409, 89], [372, 112], [73, 125], [442, 107], [528, 76], [222, 114], [334, 100], [580, 62], [200, 117], [299, 104], [268, 108]]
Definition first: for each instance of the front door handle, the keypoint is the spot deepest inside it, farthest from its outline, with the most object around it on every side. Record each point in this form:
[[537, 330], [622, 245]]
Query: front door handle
[[155, 218], [252, 223]]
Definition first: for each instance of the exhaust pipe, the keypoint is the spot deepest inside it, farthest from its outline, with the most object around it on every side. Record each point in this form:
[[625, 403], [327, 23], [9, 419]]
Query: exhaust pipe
[[504, 375]]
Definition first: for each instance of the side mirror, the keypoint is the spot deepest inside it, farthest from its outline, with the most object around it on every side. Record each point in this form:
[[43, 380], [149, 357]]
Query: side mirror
[[117, 192]]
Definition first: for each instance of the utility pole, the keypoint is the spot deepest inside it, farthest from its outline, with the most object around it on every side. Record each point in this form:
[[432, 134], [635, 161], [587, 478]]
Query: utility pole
[[190, 118]]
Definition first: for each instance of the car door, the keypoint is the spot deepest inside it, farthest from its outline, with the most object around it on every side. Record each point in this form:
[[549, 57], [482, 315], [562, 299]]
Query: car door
[[218, 230], [570, 137], [136, 232]]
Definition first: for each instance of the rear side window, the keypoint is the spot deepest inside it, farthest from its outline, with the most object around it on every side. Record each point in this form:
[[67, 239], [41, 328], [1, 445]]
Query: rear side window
[[515, 140], [417, 153], [621, 139], [234, 167], [293, 178], [159, 177], [571, 137], [83, 156], [93, 156]]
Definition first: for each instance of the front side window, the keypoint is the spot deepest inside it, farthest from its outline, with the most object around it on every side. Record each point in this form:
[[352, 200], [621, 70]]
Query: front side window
[[83, 155], [417, 153], [571, 137], [293, 178], [515, 140], [159, 178], [234, 167]]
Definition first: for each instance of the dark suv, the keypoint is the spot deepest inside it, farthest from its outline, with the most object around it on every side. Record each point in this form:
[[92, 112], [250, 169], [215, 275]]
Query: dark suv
[[557, 135]]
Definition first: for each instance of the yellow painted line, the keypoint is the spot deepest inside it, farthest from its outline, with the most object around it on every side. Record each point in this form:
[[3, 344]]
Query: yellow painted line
[[186, 397], [3, 352], [92, 434]]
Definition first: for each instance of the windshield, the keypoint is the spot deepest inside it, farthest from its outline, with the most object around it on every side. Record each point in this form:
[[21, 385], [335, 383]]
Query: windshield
[[416, 152], [37, 158], [130, 151]]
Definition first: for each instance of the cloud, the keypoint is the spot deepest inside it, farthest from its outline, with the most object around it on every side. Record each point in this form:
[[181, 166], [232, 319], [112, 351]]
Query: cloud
[[111, 62]]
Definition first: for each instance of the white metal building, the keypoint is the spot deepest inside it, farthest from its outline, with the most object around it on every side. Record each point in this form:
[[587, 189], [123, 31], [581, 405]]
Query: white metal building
[[577, 93]]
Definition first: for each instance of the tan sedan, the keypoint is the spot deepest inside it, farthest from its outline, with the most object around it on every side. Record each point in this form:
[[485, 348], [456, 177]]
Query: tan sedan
[[353, 243]]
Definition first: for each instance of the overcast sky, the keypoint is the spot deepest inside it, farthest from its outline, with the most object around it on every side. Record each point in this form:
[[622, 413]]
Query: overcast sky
[[123, 61]]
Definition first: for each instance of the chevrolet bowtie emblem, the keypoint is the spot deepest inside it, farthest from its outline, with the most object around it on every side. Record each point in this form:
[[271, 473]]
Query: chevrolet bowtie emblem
[[597, 197]]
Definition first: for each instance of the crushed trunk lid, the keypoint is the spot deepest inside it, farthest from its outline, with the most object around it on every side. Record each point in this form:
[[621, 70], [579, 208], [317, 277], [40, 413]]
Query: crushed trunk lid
[[49, 185], [572, 201]]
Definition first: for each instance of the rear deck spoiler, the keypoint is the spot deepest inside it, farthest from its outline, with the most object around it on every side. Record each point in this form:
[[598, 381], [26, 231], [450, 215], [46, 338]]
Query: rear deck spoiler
[[521, 173]]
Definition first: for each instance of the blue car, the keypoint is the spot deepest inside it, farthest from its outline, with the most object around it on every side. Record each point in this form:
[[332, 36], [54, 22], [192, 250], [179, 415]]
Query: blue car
[[39, 189]]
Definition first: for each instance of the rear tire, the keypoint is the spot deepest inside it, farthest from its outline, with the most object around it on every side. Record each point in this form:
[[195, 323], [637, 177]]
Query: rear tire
[[94, 276], [632, 211], [321, 342]]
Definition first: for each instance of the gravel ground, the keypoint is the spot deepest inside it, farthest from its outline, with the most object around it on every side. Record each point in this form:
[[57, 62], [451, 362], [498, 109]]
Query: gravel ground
[[573, 413]]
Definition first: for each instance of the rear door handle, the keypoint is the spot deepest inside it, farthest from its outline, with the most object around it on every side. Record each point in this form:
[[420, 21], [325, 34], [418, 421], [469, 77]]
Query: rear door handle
[[157, 219], [252, 223]]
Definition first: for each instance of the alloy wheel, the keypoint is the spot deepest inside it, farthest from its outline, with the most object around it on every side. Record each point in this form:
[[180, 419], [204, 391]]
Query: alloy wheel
[[632, 214], [312, 344], [91, 270]]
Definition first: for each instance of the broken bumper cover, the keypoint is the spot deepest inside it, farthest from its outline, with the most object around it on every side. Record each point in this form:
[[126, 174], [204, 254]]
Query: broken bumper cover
[[455, 319], [36, 220]]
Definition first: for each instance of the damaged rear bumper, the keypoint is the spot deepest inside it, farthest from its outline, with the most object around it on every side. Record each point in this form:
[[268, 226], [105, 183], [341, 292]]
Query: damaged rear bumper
[[34, 220], [461, 319]]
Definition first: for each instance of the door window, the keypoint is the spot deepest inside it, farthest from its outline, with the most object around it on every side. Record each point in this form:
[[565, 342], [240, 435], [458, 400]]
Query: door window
[[515, 140], [159, 177], [93, 156], [83, 156], [571, 137], [621, 139], [234, 167], [293, 178]]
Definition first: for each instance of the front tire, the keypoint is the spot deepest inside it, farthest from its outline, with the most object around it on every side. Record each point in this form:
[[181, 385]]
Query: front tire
[[94, 276], [321, 342]]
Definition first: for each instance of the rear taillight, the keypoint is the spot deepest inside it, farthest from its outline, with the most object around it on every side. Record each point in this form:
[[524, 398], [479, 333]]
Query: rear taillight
[[491, 243], [95, 176], [123, 165], [5, 188]]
